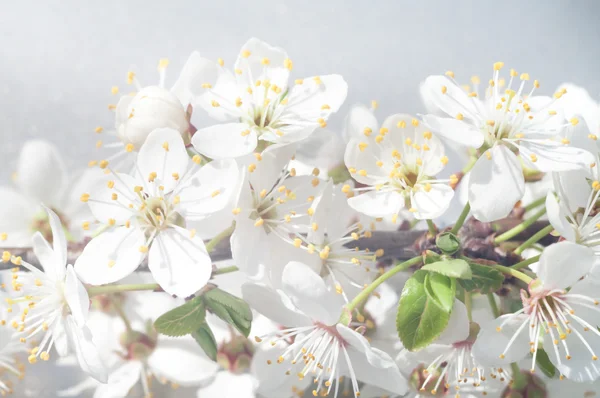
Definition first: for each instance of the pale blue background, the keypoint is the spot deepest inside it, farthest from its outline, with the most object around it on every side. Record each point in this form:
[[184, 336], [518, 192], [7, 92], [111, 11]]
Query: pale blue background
[[59, 59]]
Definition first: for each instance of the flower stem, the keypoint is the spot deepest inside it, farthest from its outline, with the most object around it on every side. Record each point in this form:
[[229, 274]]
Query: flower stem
[[432, 228], [511, 233], [121, 313], [364, 294], [108, 289], [535, 203], [527, 262], [225, 270], [210, 246], [513, 272], [493, 305], [529, 242], [469, 305], [461, 219]]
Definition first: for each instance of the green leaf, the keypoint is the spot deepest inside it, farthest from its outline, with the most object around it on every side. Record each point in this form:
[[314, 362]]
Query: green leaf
[[431, 257], [419, 320], [206, 339], [183, 319], [454, 268], [230, 309], [441, 290], [543, 361], [484, 280], [448, 243]]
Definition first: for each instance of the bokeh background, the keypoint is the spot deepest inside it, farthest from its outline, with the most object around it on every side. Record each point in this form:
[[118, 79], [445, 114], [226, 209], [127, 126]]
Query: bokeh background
[[60, 58]]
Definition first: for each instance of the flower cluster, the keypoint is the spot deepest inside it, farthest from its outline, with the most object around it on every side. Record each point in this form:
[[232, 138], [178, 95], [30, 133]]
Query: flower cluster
[[234, 261]]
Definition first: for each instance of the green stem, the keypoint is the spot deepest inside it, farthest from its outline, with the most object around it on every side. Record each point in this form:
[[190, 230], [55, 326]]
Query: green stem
[[513, 272], [432, 228], [210, 246], [535, 203], [461, 218], [469, 305], [470, 165], [225, 270], [516, 370], [121, 313], [511, 233], [364, 294], [108, 289], [527, 262], [531, 241], [493, 305]]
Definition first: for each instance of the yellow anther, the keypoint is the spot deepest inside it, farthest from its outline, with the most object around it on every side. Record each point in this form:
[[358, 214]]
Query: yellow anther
[[114, 196], [322, 122], [215, 193], [444, 160], [427, 187], [259, 222], [401, 124], [112, 221], [490, 122], [6, 256], [324, 254], [574, 121], [513, 73], [551, 113], [103, 164], [379, 139], [592, 137], [236, 211], [84, 197], [129, 147], [427, 135], [415, 122], [383, 130], [297, 242], [130, 77], [460, 116], [299, 81], [317, 80], [450, 74], [288, 64], [536, 84], [112, 107], [152, 176], [408, 141], [98, 130], [533, 157], [488, 155], [379, 163], [362, 173], [498, 65], [111, 263], [362, 146], [245, 53], [220, 61], [143, 249], [565, 141], [215, 104], [374, 104], [163, 63], [444, 89]]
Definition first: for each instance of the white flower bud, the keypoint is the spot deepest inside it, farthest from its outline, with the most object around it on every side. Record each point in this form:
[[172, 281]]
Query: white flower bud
[[153, 107]]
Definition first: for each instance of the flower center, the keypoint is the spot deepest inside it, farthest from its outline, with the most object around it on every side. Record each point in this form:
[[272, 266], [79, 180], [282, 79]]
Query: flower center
[[159, 213], [138, 346], [236, 355]]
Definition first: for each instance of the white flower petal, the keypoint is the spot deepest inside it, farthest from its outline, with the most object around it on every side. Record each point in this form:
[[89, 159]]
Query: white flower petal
[[495, 184], [251, 61], [310, 294], [269, 169], [181, 361], [17, 213], [179, 262], [558, 218], [563, 264], [59, 241], [163, 153], [434, 203], [458, 325], [553, 156], [228, 384], [101, 202], [359, 119], [45, 255], [580, 367], [272, 304], [76, 297], [41, 173], [372, 365], [455, 130], [120, 381], [210, 189], [491, 343], [111, 256], [377, 204], [223, 141], [196, 72], [86, 351]]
